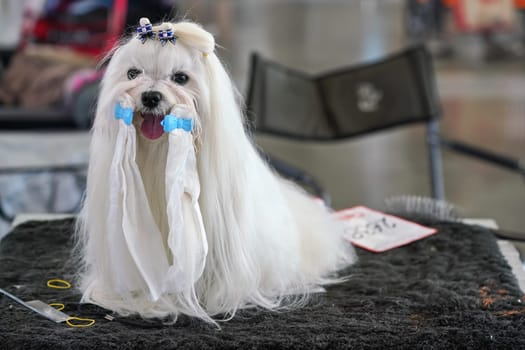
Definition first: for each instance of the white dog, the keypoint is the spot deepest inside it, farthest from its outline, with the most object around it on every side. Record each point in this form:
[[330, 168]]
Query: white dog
[[182, 216]]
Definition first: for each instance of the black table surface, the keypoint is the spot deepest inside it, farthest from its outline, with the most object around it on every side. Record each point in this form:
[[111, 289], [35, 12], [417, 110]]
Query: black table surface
[[451, 290]]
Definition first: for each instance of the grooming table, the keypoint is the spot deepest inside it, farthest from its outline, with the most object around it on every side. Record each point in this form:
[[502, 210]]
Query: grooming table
[[453, 289]]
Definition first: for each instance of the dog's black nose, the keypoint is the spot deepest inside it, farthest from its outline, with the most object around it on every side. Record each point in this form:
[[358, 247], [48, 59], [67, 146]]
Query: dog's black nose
[[151, 99]]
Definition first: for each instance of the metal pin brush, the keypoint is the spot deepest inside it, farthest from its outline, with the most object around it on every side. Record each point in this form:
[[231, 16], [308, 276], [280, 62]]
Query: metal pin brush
[[433, 209]]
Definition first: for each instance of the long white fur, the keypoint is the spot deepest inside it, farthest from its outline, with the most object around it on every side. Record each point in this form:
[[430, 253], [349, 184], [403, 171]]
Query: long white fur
[[266, 237]]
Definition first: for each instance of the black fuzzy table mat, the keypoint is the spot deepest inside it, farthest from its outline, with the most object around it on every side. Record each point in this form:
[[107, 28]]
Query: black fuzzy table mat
[[451, 290]]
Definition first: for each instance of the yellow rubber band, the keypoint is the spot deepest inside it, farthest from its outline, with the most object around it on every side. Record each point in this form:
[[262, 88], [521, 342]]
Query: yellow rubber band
[[58, 306], [89, 322], [57, 283]]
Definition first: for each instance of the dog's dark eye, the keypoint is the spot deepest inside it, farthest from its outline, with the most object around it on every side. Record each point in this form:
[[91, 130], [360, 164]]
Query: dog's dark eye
[[180, 78], [133, 73]]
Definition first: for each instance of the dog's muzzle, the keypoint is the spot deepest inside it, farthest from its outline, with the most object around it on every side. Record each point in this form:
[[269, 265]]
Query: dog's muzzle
[[151, 125]]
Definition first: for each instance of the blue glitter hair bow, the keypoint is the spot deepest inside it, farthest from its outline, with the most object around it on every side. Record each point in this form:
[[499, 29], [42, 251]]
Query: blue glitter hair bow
[[167, 35], [145, 31]]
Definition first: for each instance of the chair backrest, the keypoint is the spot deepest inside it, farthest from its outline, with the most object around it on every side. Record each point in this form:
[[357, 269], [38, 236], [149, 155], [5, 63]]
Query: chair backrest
[[397, 90]]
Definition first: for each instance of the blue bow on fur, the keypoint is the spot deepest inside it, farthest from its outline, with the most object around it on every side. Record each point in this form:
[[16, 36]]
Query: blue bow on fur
[[167, 35], [145, 32], [172, 122], [126, 114]]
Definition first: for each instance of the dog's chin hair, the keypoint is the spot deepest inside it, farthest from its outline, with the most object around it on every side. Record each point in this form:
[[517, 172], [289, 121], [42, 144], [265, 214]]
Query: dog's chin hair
[[269, 243]]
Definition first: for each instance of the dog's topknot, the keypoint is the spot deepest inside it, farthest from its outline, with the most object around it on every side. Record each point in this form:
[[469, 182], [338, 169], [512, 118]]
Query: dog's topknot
[[191, 34]]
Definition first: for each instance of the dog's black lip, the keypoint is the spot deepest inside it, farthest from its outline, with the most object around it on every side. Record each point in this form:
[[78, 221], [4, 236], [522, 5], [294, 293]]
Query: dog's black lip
[[145, 115], [155, 112]]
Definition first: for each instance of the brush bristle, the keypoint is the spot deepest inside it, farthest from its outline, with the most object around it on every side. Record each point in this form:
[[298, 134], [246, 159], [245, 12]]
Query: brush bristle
[[422, 207]]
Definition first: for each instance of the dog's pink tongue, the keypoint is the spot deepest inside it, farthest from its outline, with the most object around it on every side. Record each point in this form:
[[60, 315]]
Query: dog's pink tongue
[[151, 127]]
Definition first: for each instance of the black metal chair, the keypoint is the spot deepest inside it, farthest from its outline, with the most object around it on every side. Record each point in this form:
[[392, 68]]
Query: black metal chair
[[347, 103], [355, 101]]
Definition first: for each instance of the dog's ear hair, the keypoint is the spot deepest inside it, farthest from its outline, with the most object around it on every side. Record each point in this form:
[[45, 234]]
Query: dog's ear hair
[[104, 62]]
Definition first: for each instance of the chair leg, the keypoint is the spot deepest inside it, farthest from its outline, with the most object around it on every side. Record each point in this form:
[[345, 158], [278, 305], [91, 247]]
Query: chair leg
[[485, 155], [436, 165]]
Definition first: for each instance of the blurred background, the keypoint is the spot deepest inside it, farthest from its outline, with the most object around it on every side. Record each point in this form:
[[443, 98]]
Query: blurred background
[[49, 51]]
